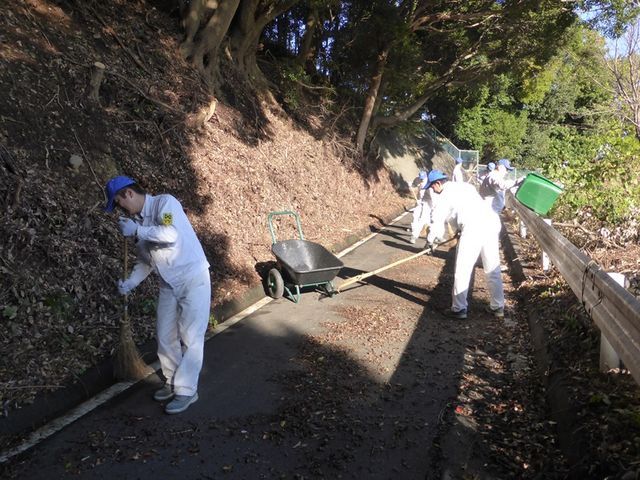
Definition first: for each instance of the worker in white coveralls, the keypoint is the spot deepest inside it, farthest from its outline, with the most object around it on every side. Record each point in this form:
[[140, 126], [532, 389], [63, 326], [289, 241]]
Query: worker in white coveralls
[[494, 185], [167, 245], [461, 206], [458, 173], [422, 210]]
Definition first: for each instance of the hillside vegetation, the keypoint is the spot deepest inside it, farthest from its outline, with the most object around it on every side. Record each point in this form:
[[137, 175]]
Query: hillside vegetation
[[152, 119]]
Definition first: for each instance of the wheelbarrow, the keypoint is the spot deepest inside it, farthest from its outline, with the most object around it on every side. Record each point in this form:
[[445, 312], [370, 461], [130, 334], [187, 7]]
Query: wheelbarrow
[[300, 264]]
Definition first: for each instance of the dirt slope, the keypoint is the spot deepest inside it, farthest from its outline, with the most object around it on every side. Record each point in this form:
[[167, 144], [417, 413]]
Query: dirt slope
[[60, 254]]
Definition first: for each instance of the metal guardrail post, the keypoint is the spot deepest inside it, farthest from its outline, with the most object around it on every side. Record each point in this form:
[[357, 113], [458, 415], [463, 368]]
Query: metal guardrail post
[[523, 229], [614, 310], [545, 257], [609, 358]]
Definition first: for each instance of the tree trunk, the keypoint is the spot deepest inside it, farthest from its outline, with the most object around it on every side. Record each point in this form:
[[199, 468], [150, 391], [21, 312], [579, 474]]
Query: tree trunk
[[283, 32], [245, 36], [307, 53], [404, 114], [204, 53], [370, 99]]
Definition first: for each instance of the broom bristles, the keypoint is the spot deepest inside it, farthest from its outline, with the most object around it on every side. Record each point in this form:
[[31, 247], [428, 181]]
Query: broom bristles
[[128, 364]]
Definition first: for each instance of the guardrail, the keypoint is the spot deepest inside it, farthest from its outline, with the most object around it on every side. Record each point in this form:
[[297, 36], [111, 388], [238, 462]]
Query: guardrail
[[615, 311]]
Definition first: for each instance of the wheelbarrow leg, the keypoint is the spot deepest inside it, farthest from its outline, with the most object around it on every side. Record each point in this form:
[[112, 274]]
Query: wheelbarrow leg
[[293, 296]]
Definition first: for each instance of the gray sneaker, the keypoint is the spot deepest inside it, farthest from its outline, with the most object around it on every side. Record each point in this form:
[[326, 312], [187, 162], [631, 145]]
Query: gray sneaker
[[165, 393], [180, 403], [459, 314], [496, 312]]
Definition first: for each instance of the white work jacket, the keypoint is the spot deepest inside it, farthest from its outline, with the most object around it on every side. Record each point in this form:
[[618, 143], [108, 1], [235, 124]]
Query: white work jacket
[[167, 242], [493, 187], [460, 205], [458, 174]]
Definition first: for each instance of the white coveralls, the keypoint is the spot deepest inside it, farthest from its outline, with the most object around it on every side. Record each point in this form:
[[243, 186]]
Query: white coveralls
[[457, 175], [167, 244], [460, 205], [422, 212], [493, 187]]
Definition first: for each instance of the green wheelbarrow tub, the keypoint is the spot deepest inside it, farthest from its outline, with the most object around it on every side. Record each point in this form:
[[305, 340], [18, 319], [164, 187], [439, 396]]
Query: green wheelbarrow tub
[[305, 262]]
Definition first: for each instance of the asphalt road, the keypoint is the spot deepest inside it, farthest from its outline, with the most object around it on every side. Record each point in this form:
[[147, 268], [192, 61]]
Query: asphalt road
[[358, 385]]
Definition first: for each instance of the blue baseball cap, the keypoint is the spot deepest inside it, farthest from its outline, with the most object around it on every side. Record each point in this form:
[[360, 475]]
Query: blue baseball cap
[[434, 176], [505, 163], [113, 187], [491, 166]]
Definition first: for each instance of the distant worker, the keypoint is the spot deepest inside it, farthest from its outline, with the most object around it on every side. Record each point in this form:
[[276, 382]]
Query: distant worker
[[167, 245], [422, 210], [494, 185], [458, 172], [490, 168], [460, 204]]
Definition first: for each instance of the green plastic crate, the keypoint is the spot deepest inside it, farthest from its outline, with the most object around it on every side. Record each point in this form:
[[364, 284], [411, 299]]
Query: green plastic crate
[[538, 193]]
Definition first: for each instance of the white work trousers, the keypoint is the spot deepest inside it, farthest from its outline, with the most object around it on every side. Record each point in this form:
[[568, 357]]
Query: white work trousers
[[421, 217], [496, 201], [182, 320], [478, 240]]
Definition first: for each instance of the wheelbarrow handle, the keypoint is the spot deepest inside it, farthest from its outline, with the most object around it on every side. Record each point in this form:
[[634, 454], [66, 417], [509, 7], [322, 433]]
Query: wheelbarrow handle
[[283, 212]]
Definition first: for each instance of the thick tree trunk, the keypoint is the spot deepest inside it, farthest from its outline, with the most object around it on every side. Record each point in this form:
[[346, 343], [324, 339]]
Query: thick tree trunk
[[204, 52], [239, 21], [245, 36], [370, 99]]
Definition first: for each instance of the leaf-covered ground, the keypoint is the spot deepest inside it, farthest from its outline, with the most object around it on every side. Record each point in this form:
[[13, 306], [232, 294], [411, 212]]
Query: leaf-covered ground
[[605, 406], [60, 254]]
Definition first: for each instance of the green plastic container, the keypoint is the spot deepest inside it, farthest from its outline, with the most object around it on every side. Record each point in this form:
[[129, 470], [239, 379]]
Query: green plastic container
[[538, 193]]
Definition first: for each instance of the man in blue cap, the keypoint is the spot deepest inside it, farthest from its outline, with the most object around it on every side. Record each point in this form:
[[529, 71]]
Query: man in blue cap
[[460, 205], [494, 185], [458, 173], [422, 210], [167, 245]]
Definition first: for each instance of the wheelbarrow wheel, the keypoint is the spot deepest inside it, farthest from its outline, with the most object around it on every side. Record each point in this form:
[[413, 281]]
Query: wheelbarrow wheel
[[275, 283]]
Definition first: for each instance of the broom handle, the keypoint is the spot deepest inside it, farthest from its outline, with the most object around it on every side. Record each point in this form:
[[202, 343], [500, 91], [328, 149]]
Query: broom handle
[[125, 313], [362, 276]]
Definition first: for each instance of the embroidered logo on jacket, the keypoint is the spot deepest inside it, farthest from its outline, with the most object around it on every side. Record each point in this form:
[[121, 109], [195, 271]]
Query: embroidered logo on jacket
[[167, 219]]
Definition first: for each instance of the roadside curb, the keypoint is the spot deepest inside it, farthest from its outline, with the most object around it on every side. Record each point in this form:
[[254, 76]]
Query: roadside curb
[[553, 380], [96, 381]]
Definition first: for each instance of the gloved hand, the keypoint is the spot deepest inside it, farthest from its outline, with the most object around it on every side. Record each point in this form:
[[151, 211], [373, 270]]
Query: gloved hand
[[430, 247], [125, 286], [433, 238], [128, 227]]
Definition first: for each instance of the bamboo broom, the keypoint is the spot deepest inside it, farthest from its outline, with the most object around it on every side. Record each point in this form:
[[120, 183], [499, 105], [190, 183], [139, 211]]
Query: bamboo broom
[[128, 364]]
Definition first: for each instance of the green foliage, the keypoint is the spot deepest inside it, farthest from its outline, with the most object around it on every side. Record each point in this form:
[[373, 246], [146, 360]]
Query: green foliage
[[60, 304], [213, 321], [10, 312], [149, 306], [493, 125], [598, 171], [292, 75]]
